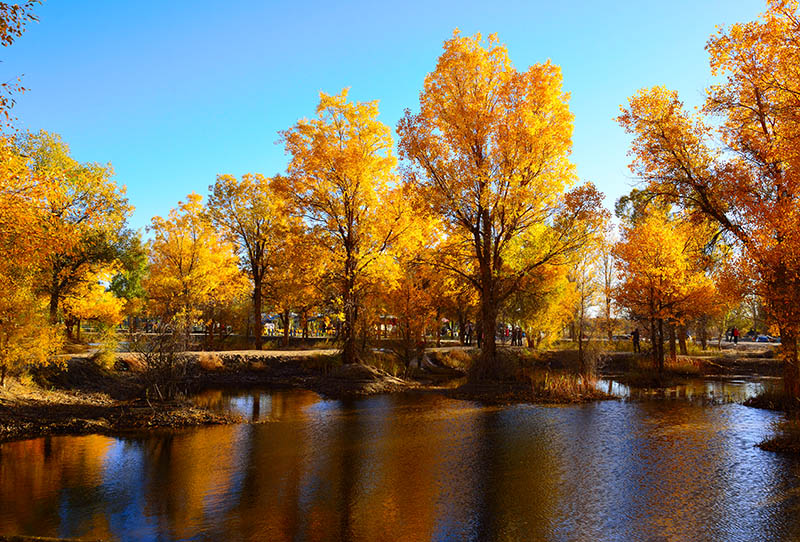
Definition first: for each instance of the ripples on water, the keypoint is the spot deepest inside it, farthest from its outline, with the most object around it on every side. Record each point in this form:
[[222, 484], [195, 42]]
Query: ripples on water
[[414, 467]]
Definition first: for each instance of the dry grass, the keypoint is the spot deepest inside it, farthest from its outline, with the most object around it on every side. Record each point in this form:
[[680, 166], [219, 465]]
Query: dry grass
[[209, 361], [561, 384], [786, 438], [457, 359], [386, 362]]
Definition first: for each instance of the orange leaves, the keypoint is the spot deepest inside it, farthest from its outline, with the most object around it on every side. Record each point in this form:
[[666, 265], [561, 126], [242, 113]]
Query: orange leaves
[[659, 271], [489, 153], [744, 174]]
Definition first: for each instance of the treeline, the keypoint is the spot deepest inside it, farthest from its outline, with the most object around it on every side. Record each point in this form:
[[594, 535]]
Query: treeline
[[482, 219]]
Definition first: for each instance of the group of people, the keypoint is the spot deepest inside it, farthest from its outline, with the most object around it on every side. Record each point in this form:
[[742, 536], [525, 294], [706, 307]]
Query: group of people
[[732, 334], [515, 334]]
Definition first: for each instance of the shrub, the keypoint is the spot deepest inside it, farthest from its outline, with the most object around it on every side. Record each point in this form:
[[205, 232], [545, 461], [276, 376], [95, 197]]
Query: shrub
[[163, 361]]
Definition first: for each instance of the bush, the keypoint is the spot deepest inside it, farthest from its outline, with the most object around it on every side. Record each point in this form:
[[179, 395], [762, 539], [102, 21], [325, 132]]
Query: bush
[[163, 362], [108, 341]]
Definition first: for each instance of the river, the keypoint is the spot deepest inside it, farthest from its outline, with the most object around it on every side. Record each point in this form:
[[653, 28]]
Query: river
[[418, 466]]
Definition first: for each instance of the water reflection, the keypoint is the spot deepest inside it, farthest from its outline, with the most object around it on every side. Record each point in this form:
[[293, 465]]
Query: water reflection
[[703, 390], [414, 467]]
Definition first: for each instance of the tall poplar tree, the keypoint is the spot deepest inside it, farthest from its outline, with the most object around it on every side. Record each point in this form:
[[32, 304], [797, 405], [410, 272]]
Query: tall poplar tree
[[489, 149]]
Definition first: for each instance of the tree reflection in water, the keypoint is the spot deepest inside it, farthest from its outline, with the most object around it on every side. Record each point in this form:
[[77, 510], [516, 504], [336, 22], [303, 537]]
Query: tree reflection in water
[[413, 467]]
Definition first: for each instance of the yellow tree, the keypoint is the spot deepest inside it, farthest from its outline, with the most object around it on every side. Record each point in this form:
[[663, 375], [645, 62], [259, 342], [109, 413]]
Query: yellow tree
[[544, 304], [82, 214], [744, 173], [297, 267], [26, 336], [340, 177], [255, 218], [660, 281], [93, 300], [193, 269], [489, 148]]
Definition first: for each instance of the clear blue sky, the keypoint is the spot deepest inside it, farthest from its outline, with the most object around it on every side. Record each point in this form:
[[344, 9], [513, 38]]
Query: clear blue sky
[[173, 93]]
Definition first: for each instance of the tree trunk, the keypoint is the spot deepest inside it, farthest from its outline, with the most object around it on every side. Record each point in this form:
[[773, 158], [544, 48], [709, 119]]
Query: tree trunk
[[438, 328], [69, 326], [703, 333], [673, 351], [653, 342], [54, 291], [349, 348], [660, 345], [791, 367], [349, 330], [682, 332], [285, 317], [3, 370], [257, 326]]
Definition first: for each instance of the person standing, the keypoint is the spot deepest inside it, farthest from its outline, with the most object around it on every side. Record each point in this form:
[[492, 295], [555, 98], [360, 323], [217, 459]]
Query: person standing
[[735, 335], [635, 339]]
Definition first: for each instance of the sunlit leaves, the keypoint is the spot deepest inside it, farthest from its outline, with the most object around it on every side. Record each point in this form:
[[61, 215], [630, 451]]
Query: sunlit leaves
[[192, 269], [744, 173], [489, 152]]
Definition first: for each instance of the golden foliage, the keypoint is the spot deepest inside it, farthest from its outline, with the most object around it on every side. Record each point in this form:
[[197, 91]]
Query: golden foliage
[[192, 269], [743, 174], [340, 180]]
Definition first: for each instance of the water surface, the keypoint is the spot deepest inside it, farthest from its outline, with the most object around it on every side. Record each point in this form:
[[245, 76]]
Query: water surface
[[414, 467]]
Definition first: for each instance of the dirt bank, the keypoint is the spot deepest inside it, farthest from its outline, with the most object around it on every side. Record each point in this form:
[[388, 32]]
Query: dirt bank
[[83, 397], [27, 411]]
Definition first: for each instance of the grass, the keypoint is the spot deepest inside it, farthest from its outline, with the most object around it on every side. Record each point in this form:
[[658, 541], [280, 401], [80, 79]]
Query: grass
[[323, 363], [386, 362], [562, 386], [786, 438]]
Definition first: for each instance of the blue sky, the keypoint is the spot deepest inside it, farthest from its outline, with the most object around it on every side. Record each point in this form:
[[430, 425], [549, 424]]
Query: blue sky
[[173, 93]]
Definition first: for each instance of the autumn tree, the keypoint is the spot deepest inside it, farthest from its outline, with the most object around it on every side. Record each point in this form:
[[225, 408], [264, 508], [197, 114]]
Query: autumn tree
[[660, 281], [585, 277], [297, 268], [489, 149], [741, 168], [93, 300], [607, 279], [340, 180], [82, 213], [543, 304], [255, 218], [193, 270], [26, 335], [128, 281]]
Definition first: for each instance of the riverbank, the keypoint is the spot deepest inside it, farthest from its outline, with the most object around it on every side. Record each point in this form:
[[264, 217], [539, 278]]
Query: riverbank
[[85, 397], [28, 411]]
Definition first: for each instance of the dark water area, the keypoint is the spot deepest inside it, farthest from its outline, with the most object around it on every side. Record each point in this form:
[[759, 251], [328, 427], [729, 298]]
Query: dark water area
[[414, 467]]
